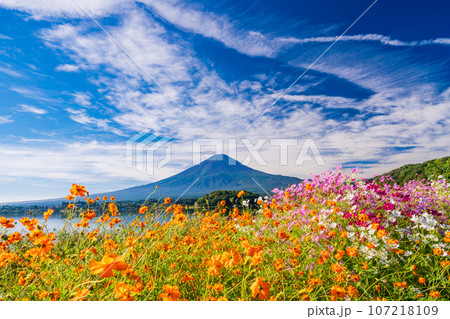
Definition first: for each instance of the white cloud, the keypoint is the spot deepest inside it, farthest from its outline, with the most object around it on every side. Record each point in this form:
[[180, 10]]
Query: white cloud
[[31, 109], [5, 119], [82, 98], [386, 40], [217, 27], [329, 101], [40, 9], [5, 37], [67, 68]]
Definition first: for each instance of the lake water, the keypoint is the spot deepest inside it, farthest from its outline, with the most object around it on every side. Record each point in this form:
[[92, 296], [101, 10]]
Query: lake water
[[56, 222]]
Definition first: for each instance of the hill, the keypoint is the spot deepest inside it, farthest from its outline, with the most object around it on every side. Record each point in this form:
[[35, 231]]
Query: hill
[[429, 169]]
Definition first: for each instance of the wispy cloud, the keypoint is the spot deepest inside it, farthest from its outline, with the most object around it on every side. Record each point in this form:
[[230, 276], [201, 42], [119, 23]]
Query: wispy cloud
[[31, 109], [386, 40], [80, 116], [82, 98], [5, 119], [11, 72], [35, 93], [218, 27], [5, 37]]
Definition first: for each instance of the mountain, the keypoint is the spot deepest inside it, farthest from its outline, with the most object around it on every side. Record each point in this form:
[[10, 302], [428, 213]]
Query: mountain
[[429, 169], [219, 172]]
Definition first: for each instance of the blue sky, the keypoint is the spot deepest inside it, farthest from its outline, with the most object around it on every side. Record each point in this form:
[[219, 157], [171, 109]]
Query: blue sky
[[71, 97]]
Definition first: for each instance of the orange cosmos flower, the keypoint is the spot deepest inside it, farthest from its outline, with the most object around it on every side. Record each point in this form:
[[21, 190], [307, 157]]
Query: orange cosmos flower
[[186, 278], [337, 268], [413, 269], [104, 268], [381, 233], [223, 203], [343, 234], [48, 213], [78, 190], [80, 295], [45, 244], [122, 291], [32, 224], [14, 238], [435, 294], [217, 287], [35, 234], [352, 291], [89, 214], [422, 280], [339, 254], [70, 197], [7, 223], [352, 251], [325, 254], [363, 218], [312, 201], [340, 278], [260, 289], [239, 195], [401, 284], [171, 293], [308, 187], [282, 234], [112, 208], [331, 234], [447, 237], [167, 200], [338, 291], [438, 252], [143, 210]]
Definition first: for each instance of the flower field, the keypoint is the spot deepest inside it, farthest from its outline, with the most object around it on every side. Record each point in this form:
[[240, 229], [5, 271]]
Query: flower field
[[332, 237]]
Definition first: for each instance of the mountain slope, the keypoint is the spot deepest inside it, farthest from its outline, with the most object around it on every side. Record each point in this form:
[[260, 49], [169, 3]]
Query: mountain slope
[[215, 173], [429, 169]]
